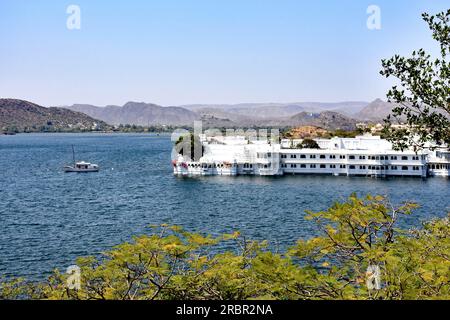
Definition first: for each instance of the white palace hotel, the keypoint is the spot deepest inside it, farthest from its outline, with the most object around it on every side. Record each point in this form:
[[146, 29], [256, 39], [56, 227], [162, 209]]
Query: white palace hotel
[[365, 155]]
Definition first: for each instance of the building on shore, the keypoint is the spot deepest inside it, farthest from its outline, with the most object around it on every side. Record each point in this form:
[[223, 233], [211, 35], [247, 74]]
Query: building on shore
[[365, 155]]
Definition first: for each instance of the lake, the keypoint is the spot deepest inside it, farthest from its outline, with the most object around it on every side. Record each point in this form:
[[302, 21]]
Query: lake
[[48, 217]]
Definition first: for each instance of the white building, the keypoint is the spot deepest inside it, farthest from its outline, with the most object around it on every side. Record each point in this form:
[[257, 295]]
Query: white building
[[361, 156]]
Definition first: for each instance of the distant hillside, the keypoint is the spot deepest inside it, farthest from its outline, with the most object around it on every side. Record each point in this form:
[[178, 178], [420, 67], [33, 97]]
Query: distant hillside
[[240, 115], [235, 118], [23, 116], [327, 119], [377, 110], [305, 132], [276, 110], [138, 113], [348, 108], [265, 111], [209, 121]]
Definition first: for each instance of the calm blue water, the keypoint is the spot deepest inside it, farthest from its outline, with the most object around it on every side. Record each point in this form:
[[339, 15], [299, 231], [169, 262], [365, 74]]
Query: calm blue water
[[48, 218]]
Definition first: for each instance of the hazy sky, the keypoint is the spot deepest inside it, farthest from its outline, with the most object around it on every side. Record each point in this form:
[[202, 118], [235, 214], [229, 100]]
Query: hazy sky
[[175, 52]]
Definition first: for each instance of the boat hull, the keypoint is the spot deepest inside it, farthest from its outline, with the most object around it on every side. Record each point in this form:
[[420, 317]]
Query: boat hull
[[81, 170]]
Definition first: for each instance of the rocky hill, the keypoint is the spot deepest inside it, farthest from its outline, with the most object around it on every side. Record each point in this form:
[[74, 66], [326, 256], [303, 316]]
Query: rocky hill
[[240, 115], [23, 116], [327, 119], [305, 132], [138, 113], [276, 110], [377, 110]]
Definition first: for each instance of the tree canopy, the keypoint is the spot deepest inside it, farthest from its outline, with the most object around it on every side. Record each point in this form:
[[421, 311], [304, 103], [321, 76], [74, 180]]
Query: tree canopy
[[423, 95], [308, 144]]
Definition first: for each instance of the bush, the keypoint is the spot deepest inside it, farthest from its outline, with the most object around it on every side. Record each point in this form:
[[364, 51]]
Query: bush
[[308, 144], [174, 264]]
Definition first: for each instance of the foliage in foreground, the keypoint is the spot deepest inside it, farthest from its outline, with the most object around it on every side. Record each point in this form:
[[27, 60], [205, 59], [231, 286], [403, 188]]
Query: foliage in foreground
[[174, 264]]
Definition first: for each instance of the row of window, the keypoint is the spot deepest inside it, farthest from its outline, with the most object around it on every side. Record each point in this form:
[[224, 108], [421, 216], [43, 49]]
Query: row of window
[[262, 155], [208, 166], [321, 166], [351, 157], [351, 167], [332, 166], [260, 165], [439, 166]]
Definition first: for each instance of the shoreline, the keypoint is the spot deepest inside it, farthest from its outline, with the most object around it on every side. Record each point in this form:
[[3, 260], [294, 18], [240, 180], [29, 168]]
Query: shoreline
[[87, 132]]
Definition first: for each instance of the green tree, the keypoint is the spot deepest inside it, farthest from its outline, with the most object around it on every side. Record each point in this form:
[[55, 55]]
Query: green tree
[[363, 232], [308, 144], [423, 95]]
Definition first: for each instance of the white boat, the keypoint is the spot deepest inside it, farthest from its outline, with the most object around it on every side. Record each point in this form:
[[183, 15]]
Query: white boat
[[81, 166]]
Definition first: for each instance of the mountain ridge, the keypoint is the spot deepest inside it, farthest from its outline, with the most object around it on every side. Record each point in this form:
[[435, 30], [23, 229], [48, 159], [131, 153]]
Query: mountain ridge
[[250, 114], [238, 115], [138, 113], [18, 115], [272, 109], [377, 110]]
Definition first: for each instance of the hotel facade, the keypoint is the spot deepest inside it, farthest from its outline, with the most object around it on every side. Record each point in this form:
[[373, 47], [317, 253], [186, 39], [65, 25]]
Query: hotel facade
[[364, 155]]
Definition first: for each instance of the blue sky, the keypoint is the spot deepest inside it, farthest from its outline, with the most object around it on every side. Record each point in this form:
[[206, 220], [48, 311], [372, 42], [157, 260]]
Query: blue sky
[[174, 52]]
